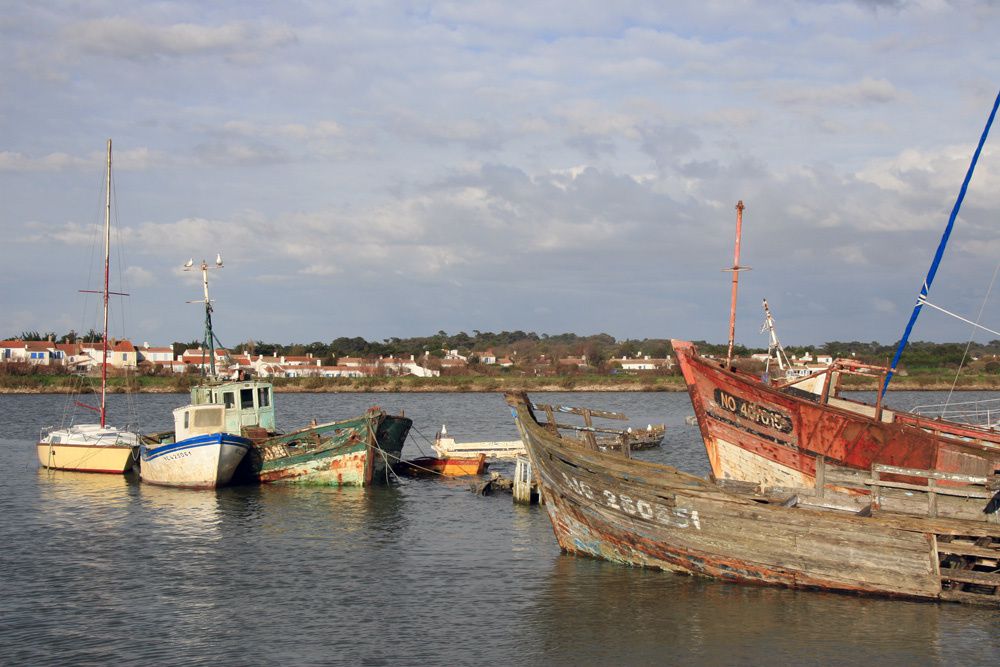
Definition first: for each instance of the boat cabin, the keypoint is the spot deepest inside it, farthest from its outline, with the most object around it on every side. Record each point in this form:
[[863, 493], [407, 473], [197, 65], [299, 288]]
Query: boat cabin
[[228, 407]]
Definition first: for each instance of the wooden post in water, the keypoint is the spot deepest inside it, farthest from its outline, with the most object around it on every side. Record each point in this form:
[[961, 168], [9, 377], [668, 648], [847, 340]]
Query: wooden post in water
[[522, 481]]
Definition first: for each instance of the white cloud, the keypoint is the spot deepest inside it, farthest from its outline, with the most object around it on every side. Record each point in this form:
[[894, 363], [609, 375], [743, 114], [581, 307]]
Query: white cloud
[[460, 153], [122, 37], [139, 277]]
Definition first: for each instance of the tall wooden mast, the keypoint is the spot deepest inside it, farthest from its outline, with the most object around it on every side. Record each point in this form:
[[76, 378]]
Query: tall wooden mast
[[736, 268]]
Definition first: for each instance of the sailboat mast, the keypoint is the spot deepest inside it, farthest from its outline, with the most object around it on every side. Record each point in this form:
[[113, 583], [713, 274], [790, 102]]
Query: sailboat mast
[[107, 265], [736, 279], [926, 287]]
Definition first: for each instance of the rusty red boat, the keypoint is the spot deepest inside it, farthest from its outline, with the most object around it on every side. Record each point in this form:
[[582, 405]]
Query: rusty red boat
[[772, 432]]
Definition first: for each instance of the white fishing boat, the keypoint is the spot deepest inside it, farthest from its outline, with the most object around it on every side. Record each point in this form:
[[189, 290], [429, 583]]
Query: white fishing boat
[[92, 447], [201, 451]]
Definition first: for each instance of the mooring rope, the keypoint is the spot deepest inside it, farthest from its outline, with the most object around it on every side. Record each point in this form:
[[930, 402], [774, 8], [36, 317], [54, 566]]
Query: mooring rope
[[399, 458], [374, 438]]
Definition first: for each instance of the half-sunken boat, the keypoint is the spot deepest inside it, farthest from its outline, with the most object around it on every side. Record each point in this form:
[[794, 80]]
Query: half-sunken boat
[[447, 466], [360, 451], [92, 447], [607, 505]]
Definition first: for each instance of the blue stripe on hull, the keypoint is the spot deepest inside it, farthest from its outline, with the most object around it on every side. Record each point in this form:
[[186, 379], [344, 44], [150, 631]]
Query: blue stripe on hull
[[148, 454]]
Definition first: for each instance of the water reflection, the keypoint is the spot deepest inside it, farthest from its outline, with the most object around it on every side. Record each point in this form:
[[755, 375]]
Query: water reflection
[[654, 616], [316, 512]]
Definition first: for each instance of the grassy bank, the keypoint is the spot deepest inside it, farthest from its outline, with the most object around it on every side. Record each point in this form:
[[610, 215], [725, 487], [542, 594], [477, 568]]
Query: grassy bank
[[41, 384]]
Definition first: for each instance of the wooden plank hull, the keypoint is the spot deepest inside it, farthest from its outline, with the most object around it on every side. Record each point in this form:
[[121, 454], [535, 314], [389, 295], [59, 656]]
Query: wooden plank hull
[[353, 452], [638, 513], [755, 432]]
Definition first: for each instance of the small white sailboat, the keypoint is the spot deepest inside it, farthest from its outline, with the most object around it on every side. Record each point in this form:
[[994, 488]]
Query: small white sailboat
[[201, 451], [92, 447]]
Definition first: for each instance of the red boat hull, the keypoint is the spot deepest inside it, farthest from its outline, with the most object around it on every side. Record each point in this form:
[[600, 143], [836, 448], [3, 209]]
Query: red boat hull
[[755, 432]]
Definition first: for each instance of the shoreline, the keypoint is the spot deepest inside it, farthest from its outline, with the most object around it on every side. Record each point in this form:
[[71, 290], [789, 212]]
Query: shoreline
[[491, 385]]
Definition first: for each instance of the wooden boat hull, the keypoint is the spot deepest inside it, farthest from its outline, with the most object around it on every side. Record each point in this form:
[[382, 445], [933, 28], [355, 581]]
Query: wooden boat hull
[[200, 462], [638, 513], [755, 432], [112, 459], [446, 466], [638, 440], [353, 452]]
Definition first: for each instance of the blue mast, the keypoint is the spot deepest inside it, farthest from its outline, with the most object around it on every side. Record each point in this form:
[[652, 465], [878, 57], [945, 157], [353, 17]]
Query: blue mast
[[941, 246]]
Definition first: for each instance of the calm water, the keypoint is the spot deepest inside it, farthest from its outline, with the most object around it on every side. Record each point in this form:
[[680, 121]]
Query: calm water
[[101, 569]]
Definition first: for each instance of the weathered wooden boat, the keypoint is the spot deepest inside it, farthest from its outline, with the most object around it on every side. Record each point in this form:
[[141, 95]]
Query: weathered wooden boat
[[609, 506], [92, 447], [650, 437], [771, 432], [353, 452], [445, 466], [610, 439]]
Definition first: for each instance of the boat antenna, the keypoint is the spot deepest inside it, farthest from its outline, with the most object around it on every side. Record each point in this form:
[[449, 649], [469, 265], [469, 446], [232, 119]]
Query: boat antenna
[[735, 269], [774, 348], [209, 339], [926, 287], [106, 294]]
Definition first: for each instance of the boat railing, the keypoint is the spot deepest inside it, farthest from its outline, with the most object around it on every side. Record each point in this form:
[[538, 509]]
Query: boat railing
[[936, 484], [983, 413]]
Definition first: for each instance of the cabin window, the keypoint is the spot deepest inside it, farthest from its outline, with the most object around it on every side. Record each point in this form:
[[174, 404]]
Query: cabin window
[[246, 399], [263, 397], [229, 399], [187, 419], [203, 418]]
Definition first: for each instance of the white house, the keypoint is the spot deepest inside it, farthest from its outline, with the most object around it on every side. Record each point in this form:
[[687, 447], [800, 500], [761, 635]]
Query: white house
[[644, 363], [154, 354]]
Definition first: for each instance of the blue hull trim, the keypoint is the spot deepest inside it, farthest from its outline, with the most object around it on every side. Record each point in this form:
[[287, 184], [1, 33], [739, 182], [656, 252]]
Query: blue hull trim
[[148, 454]]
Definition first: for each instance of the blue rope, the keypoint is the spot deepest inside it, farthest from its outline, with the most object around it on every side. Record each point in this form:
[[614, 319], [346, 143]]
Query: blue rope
[[940, 250]]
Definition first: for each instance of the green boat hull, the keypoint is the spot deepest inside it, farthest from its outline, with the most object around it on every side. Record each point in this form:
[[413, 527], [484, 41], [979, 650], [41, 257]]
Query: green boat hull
[[353, 452]]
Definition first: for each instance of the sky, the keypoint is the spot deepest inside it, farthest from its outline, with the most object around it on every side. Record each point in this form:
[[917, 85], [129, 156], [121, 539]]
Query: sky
[[384, 169]]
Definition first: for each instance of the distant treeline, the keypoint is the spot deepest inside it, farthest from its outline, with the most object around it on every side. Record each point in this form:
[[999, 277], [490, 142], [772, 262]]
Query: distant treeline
[[524, 346]]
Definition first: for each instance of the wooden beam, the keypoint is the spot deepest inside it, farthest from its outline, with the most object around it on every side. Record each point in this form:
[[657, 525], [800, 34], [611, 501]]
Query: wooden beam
[[942, 490], [579, 411], [962, 549]]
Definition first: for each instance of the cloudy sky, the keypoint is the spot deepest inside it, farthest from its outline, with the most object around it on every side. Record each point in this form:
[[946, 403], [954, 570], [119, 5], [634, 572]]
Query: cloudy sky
[[385, 169]]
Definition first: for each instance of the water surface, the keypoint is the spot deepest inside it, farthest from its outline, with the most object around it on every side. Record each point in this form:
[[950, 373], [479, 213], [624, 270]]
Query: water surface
[[99, 569]]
